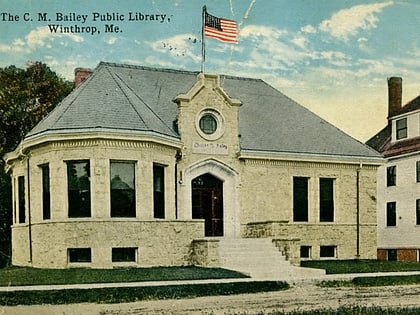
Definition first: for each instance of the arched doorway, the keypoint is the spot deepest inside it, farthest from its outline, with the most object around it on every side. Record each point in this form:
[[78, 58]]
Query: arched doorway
[[207, 203]]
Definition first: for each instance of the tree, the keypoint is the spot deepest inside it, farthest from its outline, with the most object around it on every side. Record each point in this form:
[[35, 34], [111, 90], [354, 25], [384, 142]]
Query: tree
[[26, 96]]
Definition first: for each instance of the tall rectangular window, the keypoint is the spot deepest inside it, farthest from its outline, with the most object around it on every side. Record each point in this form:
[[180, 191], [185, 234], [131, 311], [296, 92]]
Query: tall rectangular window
[[78, 188], [300, 199], [158, 191], [46, 196], [21, 199], [391, 214], [391, 175], [418, 171], [326, 199], [401, 125], [123, 189], [418, 211]]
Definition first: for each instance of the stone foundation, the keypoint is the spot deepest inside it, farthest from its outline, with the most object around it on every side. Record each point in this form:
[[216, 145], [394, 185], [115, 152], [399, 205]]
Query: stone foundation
[[158, 243]]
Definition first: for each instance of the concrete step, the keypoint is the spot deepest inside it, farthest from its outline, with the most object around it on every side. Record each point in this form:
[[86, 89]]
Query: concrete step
[[259, 258]]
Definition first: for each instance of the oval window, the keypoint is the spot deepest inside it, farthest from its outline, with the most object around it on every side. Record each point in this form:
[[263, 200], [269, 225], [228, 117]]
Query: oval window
[[208, 124]]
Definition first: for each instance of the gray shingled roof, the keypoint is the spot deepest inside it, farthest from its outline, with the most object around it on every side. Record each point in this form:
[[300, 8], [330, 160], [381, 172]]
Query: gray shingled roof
[[140, 99]]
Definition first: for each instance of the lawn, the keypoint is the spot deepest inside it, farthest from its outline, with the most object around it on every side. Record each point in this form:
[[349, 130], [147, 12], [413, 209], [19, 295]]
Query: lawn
[[361, 266], [132, 294], [17, 276]]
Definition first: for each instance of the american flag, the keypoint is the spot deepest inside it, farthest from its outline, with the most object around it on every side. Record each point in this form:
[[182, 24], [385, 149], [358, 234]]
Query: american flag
[[220, 28]]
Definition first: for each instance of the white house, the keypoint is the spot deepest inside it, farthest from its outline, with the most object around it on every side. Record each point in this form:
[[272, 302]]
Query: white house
[[399, 179]]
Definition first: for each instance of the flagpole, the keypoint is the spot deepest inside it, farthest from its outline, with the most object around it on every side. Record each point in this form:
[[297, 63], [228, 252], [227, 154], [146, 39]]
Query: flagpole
[[203, 44]]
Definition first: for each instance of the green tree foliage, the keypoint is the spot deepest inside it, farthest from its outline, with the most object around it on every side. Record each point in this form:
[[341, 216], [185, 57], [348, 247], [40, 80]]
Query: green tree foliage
[[26, 96]]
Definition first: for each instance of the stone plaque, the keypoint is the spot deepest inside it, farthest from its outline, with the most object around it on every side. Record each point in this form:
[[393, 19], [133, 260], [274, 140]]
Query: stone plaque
[[210, 148]]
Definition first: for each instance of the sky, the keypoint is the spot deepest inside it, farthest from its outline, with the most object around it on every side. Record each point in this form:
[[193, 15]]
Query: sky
[[331, 56]]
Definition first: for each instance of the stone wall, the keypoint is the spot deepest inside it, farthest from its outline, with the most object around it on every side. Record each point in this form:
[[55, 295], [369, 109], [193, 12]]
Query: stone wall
[[290, 237], [158, 243], [205, 252]]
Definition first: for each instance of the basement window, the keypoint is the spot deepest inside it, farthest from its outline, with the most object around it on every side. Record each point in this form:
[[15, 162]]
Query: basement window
[[124, 254], [305, 251], [392, 255], [79, 255], [327, 251]]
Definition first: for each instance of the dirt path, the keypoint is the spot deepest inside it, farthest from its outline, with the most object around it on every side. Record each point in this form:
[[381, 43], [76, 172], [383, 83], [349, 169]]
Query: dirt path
[[302, 296]]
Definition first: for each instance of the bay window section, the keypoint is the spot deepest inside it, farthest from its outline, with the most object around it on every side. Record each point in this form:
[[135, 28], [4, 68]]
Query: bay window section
[[123, 191], [158, 191], [46, 197], [21, 199], [78, 189]]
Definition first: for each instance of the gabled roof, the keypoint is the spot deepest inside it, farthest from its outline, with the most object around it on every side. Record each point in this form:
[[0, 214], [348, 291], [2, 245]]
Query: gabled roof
[[122, 98], [381, 142], [411, 106]]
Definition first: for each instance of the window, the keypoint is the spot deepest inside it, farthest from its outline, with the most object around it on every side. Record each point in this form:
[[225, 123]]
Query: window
[[300, 199], [391, 214], [21, 199], [79, 255], [208, 124], [391, 176], [78, 188], [418, 211], [123, 192], [124, 254], [326, 199], [401, 128], [158, 191], [46, 197], [305, 252], [392, 254], [327, 251], [418, 171]]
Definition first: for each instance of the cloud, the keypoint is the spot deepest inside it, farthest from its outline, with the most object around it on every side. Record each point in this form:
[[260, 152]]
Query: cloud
[[348, 22], [308, 29], [111, 40], [41, 36]]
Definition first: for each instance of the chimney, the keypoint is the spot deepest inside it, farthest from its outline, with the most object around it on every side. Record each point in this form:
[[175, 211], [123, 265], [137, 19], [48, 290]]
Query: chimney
[[394, 95], [80, 75]]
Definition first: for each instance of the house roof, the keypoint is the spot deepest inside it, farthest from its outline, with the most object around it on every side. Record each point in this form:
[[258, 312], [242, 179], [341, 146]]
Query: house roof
[[140, 99], [411, 106], [381, 142]]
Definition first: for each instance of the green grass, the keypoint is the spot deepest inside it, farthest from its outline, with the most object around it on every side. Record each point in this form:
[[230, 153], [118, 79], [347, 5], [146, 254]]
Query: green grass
[[361, 266], [17, 276], [132, 294]]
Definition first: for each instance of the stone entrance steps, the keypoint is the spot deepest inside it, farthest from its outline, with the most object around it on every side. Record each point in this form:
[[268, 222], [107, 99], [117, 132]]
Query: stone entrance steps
[[260, 258]]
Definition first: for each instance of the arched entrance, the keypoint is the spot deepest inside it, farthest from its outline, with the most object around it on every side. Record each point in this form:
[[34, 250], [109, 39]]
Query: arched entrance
[[223, 179], [207, 203]]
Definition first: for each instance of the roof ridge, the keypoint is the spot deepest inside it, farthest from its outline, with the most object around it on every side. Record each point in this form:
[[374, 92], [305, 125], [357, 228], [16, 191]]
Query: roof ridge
[[144, 102], [128, 99], [169, 70]]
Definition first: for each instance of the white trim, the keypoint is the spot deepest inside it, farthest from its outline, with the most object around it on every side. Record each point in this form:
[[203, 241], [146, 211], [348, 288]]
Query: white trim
[[310, 157]]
